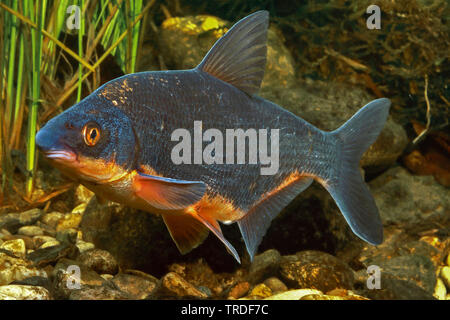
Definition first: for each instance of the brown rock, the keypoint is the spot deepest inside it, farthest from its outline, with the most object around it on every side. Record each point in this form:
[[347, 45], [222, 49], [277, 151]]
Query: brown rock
[[100, 261], [184, 41], [136, 287], [176, 285], [317, 270], [264, 265], [103, 292], [275, 284], [239, 290], [64, 282]]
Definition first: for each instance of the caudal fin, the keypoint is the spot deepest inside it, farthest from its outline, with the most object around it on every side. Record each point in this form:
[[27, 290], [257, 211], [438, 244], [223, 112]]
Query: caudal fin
[[349, 190]]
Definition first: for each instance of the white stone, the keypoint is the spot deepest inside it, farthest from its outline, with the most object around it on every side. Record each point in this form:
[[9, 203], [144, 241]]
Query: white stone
[[49, 243], [23, 292], [30, 231], [84, 246], [293, 294]]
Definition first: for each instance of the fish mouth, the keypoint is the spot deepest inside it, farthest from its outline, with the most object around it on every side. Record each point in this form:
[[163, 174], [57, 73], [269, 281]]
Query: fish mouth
[[61, 155]]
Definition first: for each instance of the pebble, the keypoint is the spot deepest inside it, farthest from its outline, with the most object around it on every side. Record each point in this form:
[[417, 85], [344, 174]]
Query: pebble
[[23, 292], [79, 209], [261, 290], [448, 260], [52, 219], [70, 221], [29, 244], [4, 232], [83, 194], [35, 281], [275, 284], [68, 235], [264, 265], [107, 276], [50, 243], [51, 254], [330, 297], [16, 246], [40, 240], [440, 291], [100, 261], [175, 284], [30, 231], [84, 246], [16, 269], [293, 294], [239, 290], [445, 276]]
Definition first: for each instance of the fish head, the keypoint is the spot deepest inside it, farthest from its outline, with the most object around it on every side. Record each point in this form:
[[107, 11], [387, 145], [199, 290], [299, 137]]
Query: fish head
[[92, 141]]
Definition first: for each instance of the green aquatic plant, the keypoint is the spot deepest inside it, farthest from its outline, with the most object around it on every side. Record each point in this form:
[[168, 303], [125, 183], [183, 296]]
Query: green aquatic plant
[[33, 51]]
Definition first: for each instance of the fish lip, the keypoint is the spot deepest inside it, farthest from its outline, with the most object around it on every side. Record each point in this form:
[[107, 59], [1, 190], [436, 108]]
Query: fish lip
[[61, 155]]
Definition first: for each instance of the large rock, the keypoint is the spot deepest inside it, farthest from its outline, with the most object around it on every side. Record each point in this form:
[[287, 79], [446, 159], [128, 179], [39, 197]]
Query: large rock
[[415, 203], [393, 288], [316, 270], [404, 259], [264, 265]]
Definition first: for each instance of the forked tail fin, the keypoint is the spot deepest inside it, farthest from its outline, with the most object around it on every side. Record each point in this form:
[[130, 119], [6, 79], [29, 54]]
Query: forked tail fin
[[349, 190]]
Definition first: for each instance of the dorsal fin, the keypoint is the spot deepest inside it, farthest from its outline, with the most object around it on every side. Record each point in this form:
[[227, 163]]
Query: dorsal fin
[[239, 57]]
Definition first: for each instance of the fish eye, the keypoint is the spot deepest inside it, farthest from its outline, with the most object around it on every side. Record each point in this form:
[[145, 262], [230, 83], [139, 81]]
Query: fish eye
[[91, 133]]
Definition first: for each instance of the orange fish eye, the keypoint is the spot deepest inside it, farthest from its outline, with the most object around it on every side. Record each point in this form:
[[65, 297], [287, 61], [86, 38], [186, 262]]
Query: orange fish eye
[[91, 134]]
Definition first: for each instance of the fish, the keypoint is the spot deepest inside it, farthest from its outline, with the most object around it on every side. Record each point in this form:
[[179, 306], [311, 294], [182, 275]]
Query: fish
[[119, 142]]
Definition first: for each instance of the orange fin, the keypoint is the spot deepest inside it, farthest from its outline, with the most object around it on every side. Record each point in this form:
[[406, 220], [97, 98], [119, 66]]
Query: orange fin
[[167, 194], [255, 223], [212, 224], [186, 231]]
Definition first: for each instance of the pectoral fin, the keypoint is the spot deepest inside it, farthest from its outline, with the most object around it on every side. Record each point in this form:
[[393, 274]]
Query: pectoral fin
[[167, 194]]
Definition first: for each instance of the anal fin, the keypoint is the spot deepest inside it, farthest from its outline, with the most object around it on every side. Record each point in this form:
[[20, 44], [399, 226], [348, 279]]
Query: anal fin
[[186, 231], [212, 224], [255, 223]]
